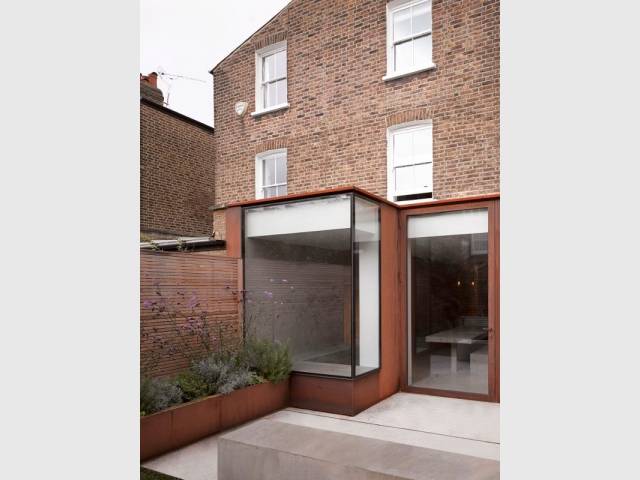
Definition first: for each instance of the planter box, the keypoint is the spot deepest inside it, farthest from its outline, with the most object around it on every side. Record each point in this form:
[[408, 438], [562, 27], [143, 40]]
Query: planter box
[[184, 424]]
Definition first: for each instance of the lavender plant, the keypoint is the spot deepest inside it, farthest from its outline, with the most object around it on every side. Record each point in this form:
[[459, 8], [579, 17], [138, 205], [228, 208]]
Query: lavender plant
[[224, 374], [191, 335], [157, 394]]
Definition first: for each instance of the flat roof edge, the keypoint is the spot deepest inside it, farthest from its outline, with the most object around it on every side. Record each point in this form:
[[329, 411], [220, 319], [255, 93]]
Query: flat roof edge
[[365, 193]]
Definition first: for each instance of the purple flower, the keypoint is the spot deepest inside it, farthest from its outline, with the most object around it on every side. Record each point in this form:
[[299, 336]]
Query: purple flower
[[147, 304], [193, 302]]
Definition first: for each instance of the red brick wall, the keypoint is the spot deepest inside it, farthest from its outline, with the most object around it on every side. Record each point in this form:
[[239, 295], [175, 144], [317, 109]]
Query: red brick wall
[[335, 129], [176, 174]]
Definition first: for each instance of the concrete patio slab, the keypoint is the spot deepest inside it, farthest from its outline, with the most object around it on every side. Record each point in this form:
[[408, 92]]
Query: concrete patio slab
[[453, 417], [270, 449]]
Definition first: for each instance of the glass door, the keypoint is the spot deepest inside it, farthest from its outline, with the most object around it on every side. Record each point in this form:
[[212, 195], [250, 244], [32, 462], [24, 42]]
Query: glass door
[[448, 272]]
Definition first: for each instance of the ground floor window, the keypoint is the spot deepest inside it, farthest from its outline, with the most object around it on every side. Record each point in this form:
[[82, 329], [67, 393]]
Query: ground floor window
[[311, 275], [448, 299]]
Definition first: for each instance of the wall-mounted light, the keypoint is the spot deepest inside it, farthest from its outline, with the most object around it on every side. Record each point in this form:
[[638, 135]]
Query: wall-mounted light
[[240, 108]]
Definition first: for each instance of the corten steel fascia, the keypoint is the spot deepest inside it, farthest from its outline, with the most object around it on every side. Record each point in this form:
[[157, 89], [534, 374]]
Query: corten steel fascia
[[365, 193], [311, 194]]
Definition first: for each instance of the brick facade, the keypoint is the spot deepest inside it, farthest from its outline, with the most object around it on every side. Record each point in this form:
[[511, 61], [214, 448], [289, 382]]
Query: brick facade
[[176, 173], [335, 129]]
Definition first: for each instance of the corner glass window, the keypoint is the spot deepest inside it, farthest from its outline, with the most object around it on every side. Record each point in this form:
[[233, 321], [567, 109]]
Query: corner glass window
[[311, 270], [366, 268]]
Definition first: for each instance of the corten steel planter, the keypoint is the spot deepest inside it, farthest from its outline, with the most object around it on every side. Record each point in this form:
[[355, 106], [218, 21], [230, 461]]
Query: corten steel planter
[[184, 424]]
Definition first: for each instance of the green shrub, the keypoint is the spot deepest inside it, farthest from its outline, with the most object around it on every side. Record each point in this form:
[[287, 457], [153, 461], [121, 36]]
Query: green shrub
[[212, 375], [192, 385], [157, 394], [271, 360], [223, 374]]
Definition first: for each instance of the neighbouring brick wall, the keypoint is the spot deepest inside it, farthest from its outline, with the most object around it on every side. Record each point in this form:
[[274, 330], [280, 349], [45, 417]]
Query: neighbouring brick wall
[[219, 224], [176, 174], [340, 108]]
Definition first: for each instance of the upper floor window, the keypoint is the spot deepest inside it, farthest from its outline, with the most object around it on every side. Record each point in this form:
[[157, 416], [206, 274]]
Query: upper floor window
[[408, 36], [271, 174], [410, 161], [271, 77]]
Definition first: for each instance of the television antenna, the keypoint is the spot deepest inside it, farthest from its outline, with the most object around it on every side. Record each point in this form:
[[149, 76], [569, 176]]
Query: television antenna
[[169, 78]]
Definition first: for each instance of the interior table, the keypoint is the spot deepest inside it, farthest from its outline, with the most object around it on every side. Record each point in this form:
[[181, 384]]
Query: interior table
[[458, 336]]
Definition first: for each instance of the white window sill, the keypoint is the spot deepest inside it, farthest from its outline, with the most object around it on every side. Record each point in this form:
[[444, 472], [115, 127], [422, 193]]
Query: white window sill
[[275, 108], [409, 202], [394, 75], [417, 200]]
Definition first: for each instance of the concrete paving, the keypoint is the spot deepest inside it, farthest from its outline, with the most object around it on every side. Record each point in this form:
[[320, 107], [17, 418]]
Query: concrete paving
[[198, 461], [455, 426], [273, 450], [446, 416]]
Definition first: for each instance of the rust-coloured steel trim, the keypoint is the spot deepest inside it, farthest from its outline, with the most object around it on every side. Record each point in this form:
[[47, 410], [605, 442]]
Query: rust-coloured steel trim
[[311, 194], [372, 196], [492, 203]]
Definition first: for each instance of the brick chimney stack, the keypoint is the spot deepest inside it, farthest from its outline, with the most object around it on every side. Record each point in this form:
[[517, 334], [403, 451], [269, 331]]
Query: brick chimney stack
[[149, 88]]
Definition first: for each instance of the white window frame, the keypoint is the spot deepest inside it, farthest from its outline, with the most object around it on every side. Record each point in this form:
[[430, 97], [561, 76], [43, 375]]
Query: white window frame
[[393, 7], [260, 187], [391, 178], [260, 55]]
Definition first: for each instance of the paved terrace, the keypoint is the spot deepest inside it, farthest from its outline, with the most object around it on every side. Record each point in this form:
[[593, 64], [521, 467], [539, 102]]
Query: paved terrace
[[422, 429]]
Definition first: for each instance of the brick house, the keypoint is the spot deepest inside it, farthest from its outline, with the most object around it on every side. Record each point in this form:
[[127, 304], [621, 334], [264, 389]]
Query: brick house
[[341, 104], [357, 177], [176, 169]]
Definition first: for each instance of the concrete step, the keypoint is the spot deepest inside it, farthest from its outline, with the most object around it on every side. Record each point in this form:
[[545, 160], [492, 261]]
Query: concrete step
[[269, 449], [417, 438]]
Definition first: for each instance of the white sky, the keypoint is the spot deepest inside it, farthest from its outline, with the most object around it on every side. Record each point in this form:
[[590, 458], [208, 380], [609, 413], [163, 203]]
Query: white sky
[[188, 37]]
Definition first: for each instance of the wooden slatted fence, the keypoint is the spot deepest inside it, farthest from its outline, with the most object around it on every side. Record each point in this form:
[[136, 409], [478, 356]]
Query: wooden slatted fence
[[178, 280]]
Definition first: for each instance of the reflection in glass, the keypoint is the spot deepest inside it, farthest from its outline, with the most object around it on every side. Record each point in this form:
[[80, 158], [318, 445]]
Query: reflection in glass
[[421, 18], [422, 50], [401, 24], [298, 269], [366, 261], [448, 298], [404, 56]]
